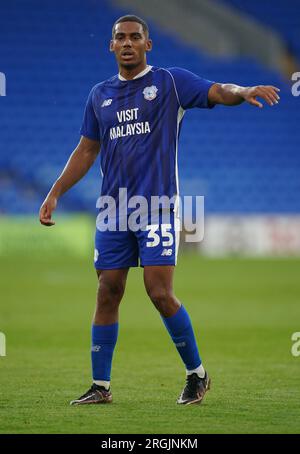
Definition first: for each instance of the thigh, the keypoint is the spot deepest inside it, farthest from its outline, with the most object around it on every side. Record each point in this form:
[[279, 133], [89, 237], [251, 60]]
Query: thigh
[[115, 250], [113, 282], [159, 278]]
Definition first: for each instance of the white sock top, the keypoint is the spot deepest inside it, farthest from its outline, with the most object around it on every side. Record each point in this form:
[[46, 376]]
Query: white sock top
[[200, 371]]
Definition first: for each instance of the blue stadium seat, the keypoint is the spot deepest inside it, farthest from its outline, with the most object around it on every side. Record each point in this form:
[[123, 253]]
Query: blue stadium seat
[[281, 15], [243, 160]]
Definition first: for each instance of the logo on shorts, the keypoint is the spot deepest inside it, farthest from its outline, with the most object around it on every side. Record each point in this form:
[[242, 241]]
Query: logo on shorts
[[96, 348], [96, 255], [150, 93], [167, 252]]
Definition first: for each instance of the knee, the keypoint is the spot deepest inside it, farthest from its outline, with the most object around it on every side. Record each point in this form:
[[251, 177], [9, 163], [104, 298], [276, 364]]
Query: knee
[[158, 295], [110, 293], [164, 300]]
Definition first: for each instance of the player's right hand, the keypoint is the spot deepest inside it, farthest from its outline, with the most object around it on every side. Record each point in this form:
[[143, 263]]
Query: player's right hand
[[46, 210]]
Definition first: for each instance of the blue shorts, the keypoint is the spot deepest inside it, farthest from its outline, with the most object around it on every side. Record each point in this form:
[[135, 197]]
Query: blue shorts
[[154, 243]]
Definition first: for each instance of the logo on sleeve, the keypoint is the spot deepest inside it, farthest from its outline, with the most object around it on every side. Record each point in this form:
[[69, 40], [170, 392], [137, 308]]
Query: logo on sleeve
[[150, 93]]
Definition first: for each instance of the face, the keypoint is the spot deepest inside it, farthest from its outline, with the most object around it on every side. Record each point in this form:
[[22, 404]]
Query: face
[[130, 44]]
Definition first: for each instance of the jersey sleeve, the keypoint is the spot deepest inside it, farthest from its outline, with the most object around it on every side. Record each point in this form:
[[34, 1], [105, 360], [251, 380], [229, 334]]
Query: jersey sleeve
[[90, 125], [192, 90]]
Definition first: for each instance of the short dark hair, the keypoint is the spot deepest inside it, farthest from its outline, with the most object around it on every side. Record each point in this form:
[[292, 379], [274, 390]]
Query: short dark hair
[[131, 18]]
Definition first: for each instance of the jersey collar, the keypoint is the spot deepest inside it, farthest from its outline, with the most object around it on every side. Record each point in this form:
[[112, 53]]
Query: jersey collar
[[141, 74]]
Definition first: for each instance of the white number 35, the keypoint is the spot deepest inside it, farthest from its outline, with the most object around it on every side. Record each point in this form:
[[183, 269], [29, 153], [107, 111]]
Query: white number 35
[[153, 235]]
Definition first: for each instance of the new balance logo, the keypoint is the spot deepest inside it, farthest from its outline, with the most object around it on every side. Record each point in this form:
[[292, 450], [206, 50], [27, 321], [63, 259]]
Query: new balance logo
[[167, 252], [180, 344], [106, 102]]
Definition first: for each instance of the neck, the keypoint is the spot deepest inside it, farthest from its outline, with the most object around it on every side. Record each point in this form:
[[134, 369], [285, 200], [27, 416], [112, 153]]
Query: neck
[[132, 72]]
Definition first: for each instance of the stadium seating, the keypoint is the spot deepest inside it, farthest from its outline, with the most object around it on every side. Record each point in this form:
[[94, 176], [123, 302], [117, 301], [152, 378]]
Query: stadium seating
[[243, 159], [282, 16]]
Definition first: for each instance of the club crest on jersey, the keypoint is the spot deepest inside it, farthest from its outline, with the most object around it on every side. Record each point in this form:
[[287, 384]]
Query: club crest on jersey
[[150, 93]]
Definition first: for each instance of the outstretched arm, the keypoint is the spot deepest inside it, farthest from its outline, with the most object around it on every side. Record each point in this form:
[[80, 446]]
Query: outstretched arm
[[77, 166], [233, 95]]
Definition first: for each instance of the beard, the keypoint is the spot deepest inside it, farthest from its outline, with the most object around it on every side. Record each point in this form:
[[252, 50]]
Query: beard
[[130, 65]]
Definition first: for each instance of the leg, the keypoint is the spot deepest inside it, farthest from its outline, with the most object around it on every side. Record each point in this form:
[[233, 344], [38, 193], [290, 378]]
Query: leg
[[159, 286], [111, 289], [158, 283], [105, 323], [115, 253]]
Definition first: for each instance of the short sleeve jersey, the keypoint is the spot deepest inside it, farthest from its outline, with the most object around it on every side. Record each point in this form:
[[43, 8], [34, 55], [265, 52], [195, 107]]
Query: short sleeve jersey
[[138, 123]]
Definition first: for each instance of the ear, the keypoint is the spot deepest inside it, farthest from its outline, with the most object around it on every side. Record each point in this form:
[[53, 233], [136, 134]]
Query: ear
[[148, 45], [111, 45]]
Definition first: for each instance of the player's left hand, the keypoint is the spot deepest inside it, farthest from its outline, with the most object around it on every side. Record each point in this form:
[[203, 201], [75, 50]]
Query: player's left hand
[[267, 92]]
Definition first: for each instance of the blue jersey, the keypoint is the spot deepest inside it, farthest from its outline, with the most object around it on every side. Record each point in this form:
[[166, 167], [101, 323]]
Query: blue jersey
[[138, 123]]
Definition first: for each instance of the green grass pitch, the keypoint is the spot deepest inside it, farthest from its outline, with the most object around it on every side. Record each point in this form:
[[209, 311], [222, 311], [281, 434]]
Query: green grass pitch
[[244, 313]]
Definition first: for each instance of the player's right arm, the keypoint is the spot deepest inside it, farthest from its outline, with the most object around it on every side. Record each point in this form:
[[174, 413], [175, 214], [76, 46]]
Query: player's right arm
[[77, 166]]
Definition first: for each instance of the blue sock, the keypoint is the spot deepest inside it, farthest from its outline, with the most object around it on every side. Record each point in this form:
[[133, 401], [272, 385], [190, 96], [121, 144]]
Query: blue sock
[[180, 329], [104, 339]]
